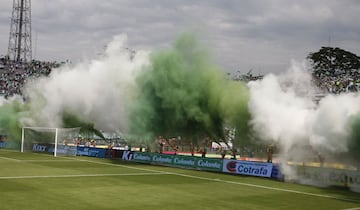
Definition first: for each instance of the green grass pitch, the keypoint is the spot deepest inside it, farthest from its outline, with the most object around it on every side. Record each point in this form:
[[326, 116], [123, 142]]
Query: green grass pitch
[[37, 181]]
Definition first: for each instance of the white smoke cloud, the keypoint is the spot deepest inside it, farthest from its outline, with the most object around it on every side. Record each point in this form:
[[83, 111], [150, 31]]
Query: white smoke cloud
[[331, 122], [284, 111], [97, 91]]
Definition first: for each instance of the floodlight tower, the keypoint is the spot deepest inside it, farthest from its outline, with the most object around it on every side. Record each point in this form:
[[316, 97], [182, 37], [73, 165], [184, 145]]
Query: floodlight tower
[[19, 48]]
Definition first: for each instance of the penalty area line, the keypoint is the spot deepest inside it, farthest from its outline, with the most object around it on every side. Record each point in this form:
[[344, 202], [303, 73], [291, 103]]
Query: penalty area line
[[80, 175]]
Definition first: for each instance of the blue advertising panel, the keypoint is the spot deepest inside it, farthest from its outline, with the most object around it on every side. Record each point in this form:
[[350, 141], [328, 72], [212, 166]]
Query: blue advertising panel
[[247, 168], [276, 172], [2, 144], [126, 154], [91, 151], [43, 148], [82, 151], [61, 149]]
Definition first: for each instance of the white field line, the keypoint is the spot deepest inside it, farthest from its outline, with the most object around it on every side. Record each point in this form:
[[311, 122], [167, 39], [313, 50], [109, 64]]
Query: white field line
[[79, 175], [12, 159], [356, 208], [47, 161], [26, 160], [9, 150], [229, 182]]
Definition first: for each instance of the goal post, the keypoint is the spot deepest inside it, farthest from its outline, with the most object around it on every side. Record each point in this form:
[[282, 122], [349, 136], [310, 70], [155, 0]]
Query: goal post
[[56, 141]]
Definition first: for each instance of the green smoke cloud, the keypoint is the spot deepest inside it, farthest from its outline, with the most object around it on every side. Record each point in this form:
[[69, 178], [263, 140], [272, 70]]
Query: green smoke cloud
[[70, 120], [183, 93], [10, 114]]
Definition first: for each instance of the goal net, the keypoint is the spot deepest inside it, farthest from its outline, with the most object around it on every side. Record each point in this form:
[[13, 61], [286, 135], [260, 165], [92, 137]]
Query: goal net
[[56, 141]]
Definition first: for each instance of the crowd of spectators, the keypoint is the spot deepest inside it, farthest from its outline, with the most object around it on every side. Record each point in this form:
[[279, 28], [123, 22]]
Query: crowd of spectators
[[245, 77], [338, 81], [333, 82], [14, 74]]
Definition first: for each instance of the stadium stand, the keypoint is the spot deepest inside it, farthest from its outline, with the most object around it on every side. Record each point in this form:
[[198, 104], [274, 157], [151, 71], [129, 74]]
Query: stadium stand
[[13, 75], [338, 81]]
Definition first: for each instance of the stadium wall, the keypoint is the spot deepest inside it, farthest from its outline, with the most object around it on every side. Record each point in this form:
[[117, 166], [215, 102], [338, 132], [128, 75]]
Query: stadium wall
[[322, 176]]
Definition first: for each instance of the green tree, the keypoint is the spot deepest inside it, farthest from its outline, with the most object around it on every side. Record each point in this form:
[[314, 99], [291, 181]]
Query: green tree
[[329, 59]]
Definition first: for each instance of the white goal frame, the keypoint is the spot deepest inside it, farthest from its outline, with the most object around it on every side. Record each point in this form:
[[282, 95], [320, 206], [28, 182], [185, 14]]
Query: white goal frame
[[43, 128]]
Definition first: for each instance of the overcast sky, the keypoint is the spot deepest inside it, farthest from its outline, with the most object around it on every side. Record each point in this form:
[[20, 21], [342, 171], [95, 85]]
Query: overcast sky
[[241, 34]]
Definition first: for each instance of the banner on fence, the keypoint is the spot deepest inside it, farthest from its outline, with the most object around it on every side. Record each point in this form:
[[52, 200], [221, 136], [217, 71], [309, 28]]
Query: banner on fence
[[91, 151], [276, 172], [209, 164], [247, 168]]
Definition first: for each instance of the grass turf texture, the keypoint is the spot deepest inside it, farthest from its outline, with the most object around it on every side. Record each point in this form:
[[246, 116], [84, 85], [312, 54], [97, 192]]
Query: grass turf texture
[[37, 181]]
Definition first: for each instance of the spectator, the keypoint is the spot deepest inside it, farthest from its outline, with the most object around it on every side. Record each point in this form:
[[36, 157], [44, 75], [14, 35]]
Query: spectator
[[203, 153]]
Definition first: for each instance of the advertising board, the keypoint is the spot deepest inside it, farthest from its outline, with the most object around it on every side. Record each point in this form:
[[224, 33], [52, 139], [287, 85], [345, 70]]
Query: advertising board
[[183, 161], [247, 168]]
